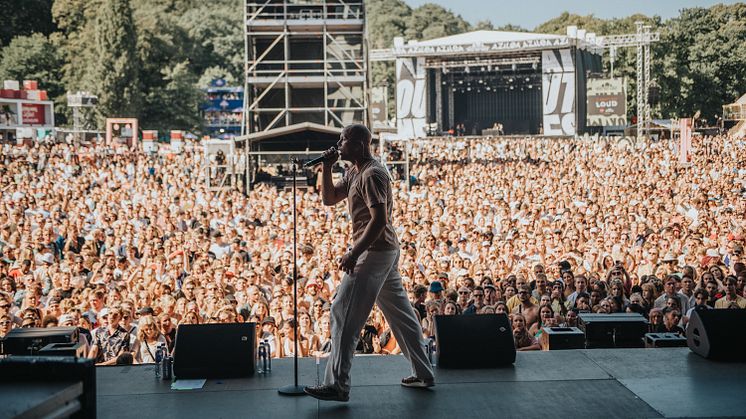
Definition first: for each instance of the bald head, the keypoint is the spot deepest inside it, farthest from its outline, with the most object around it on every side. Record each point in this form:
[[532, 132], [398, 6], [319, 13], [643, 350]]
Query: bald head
[[358, 133]]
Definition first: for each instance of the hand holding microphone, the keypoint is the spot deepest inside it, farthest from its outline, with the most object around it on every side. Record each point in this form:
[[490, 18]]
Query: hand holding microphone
[[329, 157]]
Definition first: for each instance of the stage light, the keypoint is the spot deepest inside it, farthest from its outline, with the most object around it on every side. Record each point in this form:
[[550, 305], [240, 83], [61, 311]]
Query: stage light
[[454, 89], [528, 79], [534, 66], [514, 66], [530, 86], [488, 88], [460, 82], [443, 82], [489, 67], [510, 80], [481, 81], [468, 89], [484, 69], [511, 87], [467, 70]]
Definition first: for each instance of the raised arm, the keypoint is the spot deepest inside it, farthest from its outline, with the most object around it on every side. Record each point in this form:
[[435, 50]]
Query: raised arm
[[331, 194]]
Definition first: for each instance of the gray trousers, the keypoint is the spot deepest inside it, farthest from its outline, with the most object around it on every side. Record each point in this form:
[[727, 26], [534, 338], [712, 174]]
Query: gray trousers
[[375, 279]]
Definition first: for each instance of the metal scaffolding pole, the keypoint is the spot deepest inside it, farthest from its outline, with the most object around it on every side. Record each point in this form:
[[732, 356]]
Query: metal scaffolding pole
[[640, 81], [646, 87]]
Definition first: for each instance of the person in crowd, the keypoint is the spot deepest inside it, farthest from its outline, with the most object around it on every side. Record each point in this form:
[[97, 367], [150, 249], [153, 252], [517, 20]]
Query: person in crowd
[[149, 339], [524, 341], [671, 320], [110, 339], [731, 299], [141, 233]]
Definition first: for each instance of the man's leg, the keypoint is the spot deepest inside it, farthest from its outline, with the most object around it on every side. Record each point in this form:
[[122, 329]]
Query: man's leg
[[350, 309], [393, 301]]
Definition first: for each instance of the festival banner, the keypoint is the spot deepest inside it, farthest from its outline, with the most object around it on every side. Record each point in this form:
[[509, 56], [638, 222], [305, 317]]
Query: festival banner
[[410, 97], [607, 102], [378, 104], [558, 92], [32, 114]]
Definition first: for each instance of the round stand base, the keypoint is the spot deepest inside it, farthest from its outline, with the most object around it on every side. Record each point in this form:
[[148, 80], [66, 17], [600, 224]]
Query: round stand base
[[292, 390]]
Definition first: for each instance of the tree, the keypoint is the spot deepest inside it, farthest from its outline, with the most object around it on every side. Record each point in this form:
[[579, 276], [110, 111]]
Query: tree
[[116, 77], [509, 27], [432, 21], [386, 20], [34, 58], [484, 25], [174, 105], [25, 17], [703, 62]]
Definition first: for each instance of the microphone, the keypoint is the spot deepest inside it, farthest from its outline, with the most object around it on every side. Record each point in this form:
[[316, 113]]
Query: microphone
[[317, 160]]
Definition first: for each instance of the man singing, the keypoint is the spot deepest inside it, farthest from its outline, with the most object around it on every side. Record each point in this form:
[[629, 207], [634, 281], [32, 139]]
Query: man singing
[[371, 267]]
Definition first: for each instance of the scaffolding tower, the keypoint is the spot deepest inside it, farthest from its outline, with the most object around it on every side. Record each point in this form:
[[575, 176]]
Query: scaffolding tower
[[641, 40], [306, 61]]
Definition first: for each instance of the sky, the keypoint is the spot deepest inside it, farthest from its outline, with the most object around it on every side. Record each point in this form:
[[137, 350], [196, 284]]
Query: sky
[[530, 13]]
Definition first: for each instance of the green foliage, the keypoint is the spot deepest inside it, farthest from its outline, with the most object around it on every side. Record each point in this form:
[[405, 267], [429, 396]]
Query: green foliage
[[702, 60], [32, 58], [25, 17], [432, 21], [116, 69], [173, 105], [385, 20], [35, 57], [484, 25], [152, 60]]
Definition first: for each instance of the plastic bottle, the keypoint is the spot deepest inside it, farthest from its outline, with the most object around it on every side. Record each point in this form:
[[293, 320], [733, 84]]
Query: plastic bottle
[[268, 349], [261, 358], [158, 360], [167, 363], [431, 351]]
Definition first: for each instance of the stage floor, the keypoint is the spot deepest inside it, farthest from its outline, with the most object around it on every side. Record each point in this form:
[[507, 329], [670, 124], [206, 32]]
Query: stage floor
[[608, 383]]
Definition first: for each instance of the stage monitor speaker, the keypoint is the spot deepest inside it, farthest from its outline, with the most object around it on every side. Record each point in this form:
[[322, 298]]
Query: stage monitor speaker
[[664, 340], [29, 341], [553, 338], [56, 381], [718, 334], [223, 350], [478, 341], [73, 349], [615, 330]]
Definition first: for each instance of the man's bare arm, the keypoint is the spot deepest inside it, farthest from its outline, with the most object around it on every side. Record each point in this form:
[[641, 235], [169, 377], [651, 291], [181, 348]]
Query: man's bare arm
[[331, 194]]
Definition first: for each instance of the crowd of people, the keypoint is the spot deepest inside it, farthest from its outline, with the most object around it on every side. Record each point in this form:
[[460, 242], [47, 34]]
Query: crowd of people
[[222, 118], [126, 246]]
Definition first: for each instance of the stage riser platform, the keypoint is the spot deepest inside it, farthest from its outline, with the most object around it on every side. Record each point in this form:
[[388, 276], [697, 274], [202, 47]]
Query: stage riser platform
[[608, 383]]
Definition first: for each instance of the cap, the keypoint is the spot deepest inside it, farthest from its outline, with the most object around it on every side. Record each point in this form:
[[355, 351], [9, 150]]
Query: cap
[[145, 311], [269, 320], [713, 253], [103, 313], [436, 286], [669, 257]]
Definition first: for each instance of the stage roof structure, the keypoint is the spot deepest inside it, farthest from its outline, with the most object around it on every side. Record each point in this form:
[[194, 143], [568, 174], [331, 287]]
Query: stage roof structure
[[296, 137], [481, 42]]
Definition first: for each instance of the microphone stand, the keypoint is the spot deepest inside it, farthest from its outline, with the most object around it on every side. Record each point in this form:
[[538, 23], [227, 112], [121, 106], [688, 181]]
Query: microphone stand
[[294, 389]]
